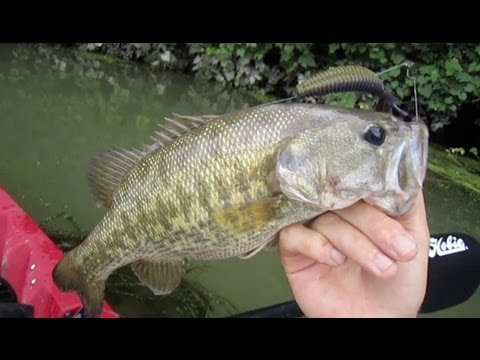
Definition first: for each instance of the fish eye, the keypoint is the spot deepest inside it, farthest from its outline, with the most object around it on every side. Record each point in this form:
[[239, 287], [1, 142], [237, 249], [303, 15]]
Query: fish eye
[[375, 135]]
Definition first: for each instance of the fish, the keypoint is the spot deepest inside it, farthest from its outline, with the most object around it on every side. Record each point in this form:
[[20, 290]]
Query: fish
[[223, 186]]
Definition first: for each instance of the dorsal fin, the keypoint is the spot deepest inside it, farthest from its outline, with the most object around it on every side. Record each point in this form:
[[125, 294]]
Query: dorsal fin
[[175, 127], [107, 170]]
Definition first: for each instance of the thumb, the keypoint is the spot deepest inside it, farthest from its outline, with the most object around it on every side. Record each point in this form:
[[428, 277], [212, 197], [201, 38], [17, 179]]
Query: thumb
[[415, 222]]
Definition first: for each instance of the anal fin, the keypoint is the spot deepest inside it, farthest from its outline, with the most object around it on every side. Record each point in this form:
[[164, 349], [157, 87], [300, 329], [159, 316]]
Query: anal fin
[[162, 277]]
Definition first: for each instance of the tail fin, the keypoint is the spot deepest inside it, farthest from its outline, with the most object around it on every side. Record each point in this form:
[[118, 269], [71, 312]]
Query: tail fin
[[68, 277]]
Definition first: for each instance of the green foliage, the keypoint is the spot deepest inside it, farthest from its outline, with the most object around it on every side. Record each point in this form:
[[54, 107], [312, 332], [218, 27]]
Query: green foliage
[[266, 68], [155, 54], [239, 65], [263, 67], [447, 74]]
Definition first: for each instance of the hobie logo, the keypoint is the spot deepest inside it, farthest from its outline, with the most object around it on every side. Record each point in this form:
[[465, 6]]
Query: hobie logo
[[441, 247]]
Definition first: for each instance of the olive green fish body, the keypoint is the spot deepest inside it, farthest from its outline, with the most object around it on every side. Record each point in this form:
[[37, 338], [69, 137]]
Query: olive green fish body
[[219, 187]]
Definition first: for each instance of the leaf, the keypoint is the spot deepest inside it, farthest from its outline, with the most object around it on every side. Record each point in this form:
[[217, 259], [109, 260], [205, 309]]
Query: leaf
[[421, 80], [469, 88], [229, 75], [473, 67], [306, 60], [395, 73], [464, 77], [240, 52], [452, 66], [166, 56], [400, 92], [374, 53], [288, 48], [332, 48], [349, 100], [432, 104], [426, 69], [260, 56], [397, 58], [462, 96], [476, 82], [425, 90], [441, 107], [454, 91]]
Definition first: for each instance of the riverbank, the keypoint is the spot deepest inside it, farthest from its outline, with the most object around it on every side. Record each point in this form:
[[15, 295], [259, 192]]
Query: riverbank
[[446, 169]]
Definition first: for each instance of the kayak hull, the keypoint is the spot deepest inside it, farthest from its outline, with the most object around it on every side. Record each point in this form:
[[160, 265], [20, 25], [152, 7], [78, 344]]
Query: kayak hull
[[28, 257]]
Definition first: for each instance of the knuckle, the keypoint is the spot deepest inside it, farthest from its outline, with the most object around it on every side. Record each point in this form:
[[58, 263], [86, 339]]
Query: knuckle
[[317, 245], [320, 241], [383, 230], [287, 232], [326, 219]]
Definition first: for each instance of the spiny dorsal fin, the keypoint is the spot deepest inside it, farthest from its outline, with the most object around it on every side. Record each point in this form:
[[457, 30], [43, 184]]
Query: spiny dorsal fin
[[175, 127], [107, 170]]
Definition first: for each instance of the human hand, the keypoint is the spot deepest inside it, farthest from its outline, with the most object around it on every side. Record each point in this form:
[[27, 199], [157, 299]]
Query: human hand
[[380, 276]]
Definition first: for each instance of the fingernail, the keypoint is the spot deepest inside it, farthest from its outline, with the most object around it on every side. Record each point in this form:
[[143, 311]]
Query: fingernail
[[382, 262], [403, 245], [337, 256]]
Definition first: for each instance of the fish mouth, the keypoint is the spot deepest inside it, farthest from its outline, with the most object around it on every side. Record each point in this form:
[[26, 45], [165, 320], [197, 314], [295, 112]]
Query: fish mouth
[[405, 174]]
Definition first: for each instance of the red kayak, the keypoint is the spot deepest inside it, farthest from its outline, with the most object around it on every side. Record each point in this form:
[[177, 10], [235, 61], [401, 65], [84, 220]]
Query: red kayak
[[28, 257]]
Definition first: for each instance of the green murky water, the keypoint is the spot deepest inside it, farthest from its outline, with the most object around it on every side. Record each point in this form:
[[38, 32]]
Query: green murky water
[[58, 108]]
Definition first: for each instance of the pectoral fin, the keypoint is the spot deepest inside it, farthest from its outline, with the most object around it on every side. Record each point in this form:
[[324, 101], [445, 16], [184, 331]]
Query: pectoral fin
[[248, 216], [161, 277]]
